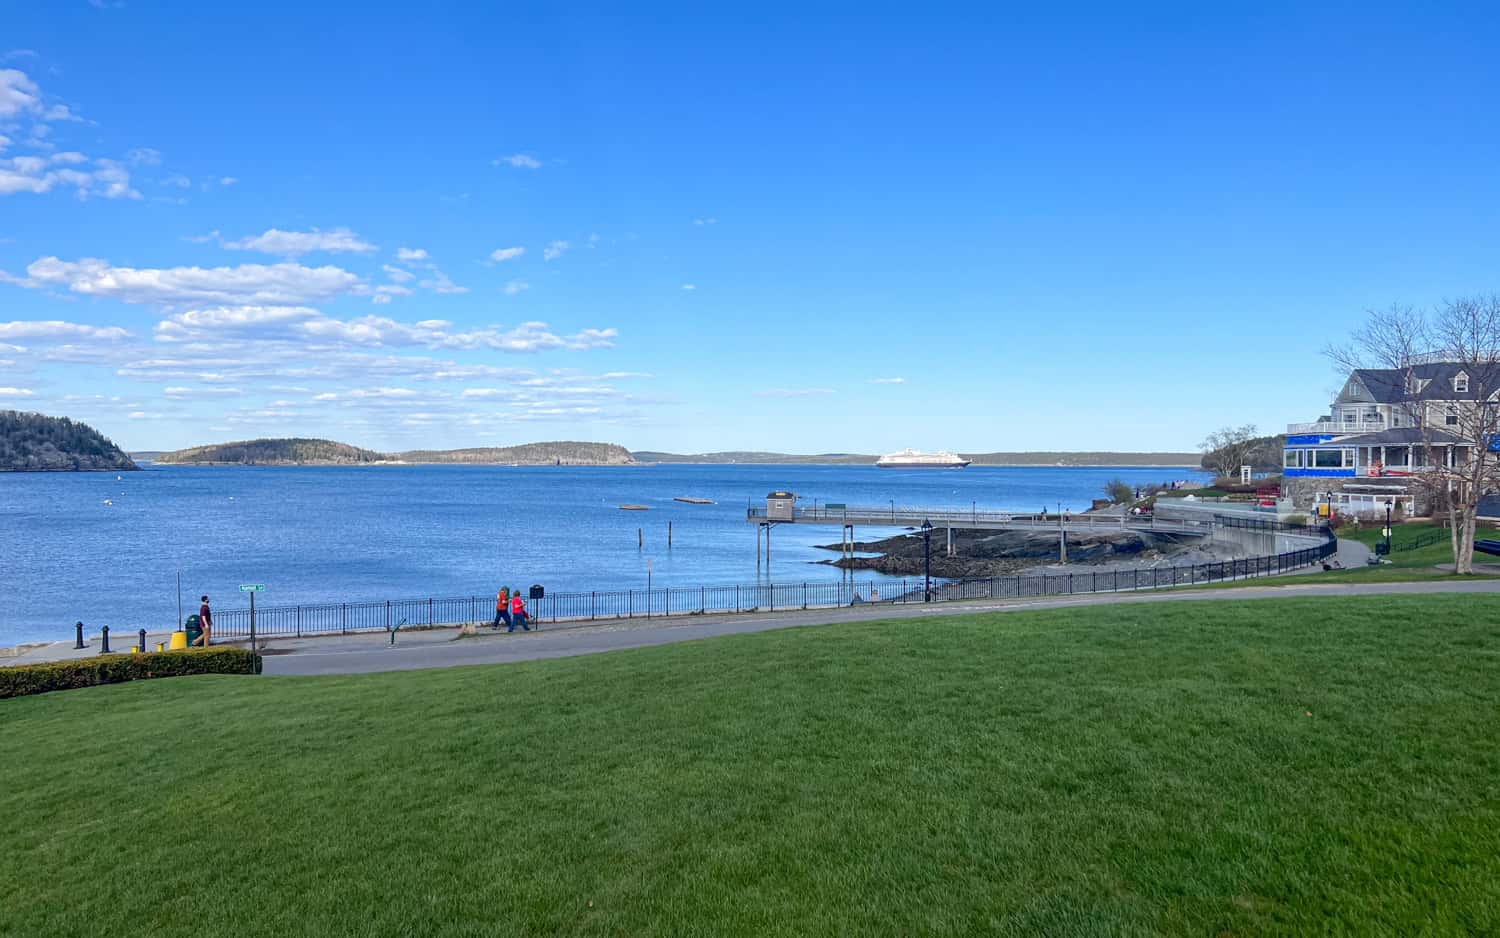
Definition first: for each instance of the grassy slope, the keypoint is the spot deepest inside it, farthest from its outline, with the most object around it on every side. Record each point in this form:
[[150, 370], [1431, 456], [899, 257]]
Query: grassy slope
[[1289, 766]]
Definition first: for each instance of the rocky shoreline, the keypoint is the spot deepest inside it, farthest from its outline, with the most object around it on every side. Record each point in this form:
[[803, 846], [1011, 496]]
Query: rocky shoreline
[[980, 553]]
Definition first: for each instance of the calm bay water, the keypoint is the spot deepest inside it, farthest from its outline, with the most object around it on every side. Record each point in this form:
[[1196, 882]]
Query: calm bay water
[[330, 534]]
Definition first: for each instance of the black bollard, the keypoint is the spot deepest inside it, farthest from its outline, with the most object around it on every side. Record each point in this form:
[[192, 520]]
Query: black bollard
[[143, 641], [78, 641], [104, 647]]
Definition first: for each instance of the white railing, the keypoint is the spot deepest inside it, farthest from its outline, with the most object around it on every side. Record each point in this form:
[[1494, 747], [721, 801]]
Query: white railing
[[1336, 427]]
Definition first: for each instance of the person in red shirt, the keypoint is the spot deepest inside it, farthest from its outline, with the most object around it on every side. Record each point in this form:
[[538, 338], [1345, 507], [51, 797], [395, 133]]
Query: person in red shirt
[[518, 612]]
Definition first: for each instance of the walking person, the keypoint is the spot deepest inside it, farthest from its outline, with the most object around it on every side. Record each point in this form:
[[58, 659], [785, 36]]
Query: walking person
[[518, 613], [206, 622], [502, 607]]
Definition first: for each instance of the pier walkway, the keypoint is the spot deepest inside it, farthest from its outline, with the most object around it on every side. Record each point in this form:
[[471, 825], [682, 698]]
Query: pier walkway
[[902, 517]]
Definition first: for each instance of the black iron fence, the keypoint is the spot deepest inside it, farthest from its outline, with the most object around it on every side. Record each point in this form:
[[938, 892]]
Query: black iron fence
[[575, 608]]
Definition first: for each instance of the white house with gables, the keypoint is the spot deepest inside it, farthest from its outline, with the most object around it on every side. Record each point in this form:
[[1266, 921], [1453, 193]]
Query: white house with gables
[[1386, 425]]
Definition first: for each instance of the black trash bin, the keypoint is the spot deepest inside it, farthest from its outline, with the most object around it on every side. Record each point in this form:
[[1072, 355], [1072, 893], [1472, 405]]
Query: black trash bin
[[194, 628]]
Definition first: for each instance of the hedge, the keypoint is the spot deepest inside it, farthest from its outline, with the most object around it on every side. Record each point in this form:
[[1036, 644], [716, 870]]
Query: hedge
[[115, 669]]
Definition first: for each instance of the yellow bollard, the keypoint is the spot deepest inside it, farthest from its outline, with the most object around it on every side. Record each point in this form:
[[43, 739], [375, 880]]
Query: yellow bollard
[[179, 641], [161, 646]]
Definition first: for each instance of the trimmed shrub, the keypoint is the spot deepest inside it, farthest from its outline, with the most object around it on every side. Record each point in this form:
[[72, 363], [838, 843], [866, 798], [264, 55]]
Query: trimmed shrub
[[116, 669]]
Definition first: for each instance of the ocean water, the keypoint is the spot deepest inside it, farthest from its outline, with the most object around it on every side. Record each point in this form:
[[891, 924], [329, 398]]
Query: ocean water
[[337, 534]]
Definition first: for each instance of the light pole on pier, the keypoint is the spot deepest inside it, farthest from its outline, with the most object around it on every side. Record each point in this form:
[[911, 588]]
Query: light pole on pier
[[927, 561]]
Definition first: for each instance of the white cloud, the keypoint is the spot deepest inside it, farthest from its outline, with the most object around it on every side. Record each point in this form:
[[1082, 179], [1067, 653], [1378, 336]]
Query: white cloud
[[18, 94], [204, 323], [554, 250], [506, 254], [60, 112], [69, 158], [184, 393], [439, 283], [17, 392], [227, 180], [411, 254], [294, 243], [297, 326], [178, 180], [35, 174], [57, 329], [143, 156], [4, 142], [516, 286], [396, 274], [519, 161], [793, 392], [887, 380], [690, 286], [281, 284], [705, 221]]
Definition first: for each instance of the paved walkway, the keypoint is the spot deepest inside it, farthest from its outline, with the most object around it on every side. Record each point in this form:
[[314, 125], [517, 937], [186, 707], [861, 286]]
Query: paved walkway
[[437, 648]]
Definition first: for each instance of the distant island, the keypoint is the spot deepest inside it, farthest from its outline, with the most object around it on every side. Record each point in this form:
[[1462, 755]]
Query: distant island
[[565, 453], [1037, 458], [38, 443], [312, 452], [286, 452]]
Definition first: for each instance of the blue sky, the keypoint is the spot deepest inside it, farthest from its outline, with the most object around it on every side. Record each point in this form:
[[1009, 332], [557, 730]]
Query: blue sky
[[799, 227]]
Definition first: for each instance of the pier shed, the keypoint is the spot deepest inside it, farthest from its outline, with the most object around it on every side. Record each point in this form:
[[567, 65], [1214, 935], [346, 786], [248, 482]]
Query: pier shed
[[781, 506]]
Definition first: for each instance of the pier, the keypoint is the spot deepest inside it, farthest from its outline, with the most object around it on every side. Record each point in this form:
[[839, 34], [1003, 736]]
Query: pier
[[781, 508]]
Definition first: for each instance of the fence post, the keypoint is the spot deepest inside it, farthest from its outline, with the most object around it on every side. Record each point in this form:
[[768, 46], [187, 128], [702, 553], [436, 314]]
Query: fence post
[[903, 591], [593, 598], [343, 618], [630, 604], [1070, 584], [299, 621], [736, 597], [702, 602], [387, 615], [804, 594], [992, 587], [429, 610], [78, 642], [771, 590]]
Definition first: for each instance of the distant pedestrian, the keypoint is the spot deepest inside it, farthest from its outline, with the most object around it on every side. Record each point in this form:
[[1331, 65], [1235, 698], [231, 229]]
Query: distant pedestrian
[[502, 607], [206, 621], [874, 594], [518, 613]]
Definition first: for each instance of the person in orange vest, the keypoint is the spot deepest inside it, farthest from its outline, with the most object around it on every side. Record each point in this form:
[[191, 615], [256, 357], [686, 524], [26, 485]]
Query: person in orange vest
[[502, 607], [518, 612]]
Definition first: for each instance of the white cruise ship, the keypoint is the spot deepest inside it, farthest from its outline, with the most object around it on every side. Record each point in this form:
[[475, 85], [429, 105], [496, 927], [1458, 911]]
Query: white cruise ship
[[911, 459]]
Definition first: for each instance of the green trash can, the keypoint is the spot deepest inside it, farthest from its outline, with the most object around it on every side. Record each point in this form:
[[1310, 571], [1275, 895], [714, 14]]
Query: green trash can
[[194, 627]]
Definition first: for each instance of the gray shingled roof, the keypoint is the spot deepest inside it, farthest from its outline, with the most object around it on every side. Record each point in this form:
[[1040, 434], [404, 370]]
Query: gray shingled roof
[[1399, 436], [1388, 385]]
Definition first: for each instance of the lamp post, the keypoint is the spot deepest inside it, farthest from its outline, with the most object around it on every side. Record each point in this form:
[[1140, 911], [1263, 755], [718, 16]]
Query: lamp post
[[927, 561]]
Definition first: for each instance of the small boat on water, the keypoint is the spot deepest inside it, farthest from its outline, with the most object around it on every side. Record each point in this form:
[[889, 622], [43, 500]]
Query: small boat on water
[[690, 500], [635, 508], [912, 459]]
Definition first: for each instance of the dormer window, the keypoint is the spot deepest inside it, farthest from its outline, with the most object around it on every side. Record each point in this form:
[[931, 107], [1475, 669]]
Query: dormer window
[[1461, 383]]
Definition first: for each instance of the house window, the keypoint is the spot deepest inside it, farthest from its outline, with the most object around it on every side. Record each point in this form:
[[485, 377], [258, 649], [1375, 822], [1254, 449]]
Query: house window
[[1293, 459], [1451, 417], [1461, 383], [1328, 458]]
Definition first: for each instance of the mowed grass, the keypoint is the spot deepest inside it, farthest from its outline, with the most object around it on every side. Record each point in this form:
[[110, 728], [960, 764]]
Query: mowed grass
[[1324, 766]]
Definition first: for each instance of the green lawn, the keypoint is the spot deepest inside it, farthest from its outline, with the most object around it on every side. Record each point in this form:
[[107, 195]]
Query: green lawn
[[1326, 766]]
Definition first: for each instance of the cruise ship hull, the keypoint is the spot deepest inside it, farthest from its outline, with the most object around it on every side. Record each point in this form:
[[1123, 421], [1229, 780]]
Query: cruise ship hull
[[922, 465]]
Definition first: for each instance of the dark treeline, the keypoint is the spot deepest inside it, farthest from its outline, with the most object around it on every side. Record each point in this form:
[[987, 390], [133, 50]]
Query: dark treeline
[[273, 453], [38, 443]]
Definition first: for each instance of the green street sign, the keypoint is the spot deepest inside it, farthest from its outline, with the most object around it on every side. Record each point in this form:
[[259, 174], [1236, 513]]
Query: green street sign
[[835, 506], [252, 588]]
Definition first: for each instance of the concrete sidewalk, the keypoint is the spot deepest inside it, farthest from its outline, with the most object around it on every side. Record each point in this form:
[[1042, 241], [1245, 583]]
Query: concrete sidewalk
[[442, 648]]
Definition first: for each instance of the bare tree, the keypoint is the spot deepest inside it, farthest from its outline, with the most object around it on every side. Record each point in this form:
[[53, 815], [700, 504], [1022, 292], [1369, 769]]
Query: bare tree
[[1465, 333], [1227, 449]]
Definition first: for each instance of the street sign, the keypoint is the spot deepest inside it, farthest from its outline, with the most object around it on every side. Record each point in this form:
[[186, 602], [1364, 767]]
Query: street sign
[[252, 587], [835, 506]]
